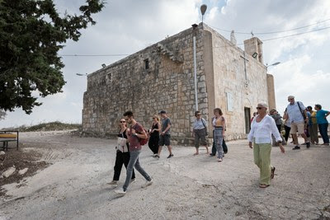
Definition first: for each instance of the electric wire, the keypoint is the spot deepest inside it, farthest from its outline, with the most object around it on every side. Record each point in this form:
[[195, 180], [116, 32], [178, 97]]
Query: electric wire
[[263, 40], [272, 32]]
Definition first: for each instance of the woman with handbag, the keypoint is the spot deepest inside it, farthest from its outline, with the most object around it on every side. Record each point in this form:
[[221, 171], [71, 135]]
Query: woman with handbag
[[122, 154], [200, 132]]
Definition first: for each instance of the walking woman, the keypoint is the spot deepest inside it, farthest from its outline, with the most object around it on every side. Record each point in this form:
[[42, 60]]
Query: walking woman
[[287, 126], [122, 154], [154, 135], [321, 118], [263, 126], [312, 125], [200, 132], [219, 125]]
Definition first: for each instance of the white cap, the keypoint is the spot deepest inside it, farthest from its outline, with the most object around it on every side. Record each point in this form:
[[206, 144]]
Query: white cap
[[263, 105]]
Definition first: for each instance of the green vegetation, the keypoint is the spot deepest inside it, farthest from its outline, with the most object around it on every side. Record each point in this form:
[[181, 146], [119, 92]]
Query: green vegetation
[[50, 126], [32, 32]]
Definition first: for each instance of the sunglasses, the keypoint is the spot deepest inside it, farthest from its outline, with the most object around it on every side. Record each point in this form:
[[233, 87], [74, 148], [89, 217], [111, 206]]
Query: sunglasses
[[122, 121], [259, 108]]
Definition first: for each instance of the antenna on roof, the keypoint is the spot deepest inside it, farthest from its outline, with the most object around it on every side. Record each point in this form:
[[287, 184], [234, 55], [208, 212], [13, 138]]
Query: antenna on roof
[[203, 10]]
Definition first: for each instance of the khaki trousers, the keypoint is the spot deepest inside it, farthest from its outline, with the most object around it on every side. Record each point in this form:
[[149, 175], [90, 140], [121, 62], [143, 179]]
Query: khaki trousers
[[261, 153], [313, 132]]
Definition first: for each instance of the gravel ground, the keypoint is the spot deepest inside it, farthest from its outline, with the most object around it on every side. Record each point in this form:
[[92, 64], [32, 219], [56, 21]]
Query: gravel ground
[[75, 185]]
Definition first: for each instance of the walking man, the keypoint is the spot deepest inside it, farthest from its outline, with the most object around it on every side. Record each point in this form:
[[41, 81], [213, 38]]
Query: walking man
[[165, 136], [135, 133], [296, 113]]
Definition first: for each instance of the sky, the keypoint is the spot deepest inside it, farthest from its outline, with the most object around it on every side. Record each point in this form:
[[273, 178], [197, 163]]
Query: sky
[[295, 33]]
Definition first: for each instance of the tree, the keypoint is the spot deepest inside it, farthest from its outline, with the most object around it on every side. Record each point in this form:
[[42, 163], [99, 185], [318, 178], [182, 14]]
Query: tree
[[2, 114], [31, 34]]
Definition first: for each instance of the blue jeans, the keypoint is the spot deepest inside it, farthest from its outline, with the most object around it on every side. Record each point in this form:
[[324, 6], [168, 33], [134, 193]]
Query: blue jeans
[[324, 132], [134, 162]]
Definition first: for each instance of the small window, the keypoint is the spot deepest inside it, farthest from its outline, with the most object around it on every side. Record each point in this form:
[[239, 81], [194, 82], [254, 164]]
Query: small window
[[229, 102], [146, 64]]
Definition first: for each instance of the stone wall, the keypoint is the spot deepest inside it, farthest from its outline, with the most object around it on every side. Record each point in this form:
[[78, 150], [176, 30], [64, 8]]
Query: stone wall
[[168, 84], [240, 82]]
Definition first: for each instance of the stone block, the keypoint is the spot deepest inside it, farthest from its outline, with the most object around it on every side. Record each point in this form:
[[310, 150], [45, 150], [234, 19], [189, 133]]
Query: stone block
[[10, 171], [23, 171]]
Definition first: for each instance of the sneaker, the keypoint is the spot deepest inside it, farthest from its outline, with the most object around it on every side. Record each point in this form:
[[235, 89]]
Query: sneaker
[[113, 183], [308, 144], [157, 156], [169, 156], [219, 160], [148, 183], [296, 148], [133, 180], [120, 192]]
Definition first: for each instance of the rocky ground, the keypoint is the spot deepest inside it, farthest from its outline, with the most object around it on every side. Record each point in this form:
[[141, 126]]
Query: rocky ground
[[71, 183]]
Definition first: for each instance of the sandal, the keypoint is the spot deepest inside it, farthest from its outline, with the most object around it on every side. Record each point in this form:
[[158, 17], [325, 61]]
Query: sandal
[[263, 186], [272, 175]]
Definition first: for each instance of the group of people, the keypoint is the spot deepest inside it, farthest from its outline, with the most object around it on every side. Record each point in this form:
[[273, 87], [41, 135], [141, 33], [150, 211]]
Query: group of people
[[199, 132], [306, 122], [303, 121], [298, 120], [129, 146]]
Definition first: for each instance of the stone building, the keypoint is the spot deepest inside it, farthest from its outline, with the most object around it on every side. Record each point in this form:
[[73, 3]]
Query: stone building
[[161, 76]]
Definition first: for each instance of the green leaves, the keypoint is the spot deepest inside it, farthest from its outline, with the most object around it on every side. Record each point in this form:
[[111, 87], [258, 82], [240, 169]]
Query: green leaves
[[32, 33]]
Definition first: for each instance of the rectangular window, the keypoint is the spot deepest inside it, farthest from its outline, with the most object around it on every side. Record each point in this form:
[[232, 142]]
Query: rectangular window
[[229, 102], [146, 64]]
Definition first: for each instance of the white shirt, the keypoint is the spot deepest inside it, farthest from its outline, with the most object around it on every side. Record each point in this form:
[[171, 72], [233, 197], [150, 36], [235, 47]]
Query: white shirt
[[261, 131], [199, 124], [295, 115]]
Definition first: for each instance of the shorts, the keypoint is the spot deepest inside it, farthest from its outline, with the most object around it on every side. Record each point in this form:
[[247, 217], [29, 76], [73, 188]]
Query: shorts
[[297, 127], [200, 137], [164, 140]]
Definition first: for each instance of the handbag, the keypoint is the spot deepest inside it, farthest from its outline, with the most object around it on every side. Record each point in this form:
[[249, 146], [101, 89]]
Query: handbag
[[122, 143], [206, 133]]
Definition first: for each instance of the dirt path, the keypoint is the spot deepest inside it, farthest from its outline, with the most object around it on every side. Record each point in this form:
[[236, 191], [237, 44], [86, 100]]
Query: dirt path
[[185, 187]]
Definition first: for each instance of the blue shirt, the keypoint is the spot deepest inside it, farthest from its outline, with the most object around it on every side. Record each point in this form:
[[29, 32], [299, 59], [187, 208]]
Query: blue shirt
[[320, 116], [309, 118], [165, 123], [295, 113]]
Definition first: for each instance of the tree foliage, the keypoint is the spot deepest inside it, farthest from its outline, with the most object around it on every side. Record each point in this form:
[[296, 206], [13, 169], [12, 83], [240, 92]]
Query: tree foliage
[[2, 114], [31, 34]]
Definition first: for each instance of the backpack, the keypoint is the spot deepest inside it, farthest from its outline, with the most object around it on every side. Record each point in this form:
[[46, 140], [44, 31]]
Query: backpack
[[145, 140]]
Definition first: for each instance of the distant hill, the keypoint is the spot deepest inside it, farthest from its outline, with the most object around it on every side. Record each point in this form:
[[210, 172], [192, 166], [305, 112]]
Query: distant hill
[[50, 126]]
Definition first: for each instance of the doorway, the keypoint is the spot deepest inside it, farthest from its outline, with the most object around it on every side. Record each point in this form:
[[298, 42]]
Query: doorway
[[247, 116]]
